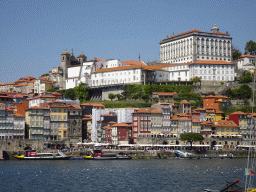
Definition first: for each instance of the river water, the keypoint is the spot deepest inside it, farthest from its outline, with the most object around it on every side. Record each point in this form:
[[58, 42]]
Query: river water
[[116, 175]]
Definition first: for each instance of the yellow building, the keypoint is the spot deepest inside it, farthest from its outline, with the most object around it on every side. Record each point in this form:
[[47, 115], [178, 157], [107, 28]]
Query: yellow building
[[59, 120], [225, 128], [213, 115], [196, 126]]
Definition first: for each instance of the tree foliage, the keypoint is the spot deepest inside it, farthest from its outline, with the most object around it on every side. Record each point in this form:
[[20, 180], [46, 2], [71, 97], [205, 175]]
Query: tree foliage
[[247, 78], [250, 47], [82, 93], [191, 137], [51, 90], [119, 97], [111, 96], [196, 80], [244, 91], [69, 94], [235, 54]]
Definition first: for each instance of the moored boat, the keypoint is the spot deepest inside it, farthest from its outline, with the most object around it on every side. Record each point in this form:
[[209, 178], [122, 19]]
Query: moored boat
[[98, 155], [32, 155]]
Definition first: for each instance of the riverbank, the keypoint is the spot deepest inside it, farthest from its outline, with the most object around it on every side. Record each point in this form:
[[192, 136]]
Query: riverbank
[[143, 154]]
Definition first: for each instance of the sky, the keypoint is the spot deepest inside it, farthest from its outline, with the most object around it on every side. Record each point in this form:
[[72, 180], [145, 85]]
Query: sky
[[34, 33]]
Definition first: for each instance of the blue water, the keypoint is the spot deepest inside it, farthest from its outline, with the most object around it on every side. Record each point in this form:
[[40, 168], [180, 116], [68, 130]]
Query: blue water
[[128, 175]]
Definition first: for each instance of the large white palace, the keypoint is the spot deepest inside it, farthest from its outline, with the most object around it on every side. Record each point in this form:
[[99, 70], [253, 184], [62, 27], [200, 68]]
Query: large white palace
[[195, 45], [206, 70]]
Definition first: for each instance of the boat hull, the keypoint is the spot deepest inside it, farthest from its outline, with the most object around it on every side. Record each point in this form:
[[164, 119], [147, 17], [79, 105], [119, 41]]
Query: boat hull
[[108, 158], [42, 158]]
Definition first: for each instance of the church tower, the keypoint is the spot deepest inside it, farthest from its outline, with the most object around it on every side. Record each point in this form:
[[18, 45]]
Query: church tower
[[81, 58], [65, 62]]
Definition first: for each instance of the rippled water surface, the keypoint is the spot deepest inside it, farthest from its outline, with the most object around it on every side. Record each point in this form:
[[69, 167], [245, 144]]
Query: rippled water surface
[[128, 175]]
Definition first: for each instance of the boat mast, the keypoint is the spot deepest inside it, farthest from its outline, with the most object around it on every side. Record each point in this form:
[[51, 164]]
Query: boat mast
[[248, 183]]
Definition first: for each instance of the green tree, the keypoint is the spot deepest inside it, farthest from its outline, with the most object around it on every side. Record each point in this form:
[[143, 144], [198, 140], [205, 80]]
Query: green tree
[[250, 47], [111, 96], [51, 90], [146, 97], [191, 137], [235, 54], [195, 80], [229, 93], [135, 96], [244, 91], [247, 78], [82, 93], [119, 97], [70, 94]]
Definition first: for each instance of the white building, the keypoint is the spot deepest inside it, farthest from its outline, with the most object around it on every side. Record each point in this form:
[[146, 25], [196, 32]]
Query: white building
[[19, 126], [207, 70], [124, 115], [79, 74], [196, 45], [133, 74], [245, 62]]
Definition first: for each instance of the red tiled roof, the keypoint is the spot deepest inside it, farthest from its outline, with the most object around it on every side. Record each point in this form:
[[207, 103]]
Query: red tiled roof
[[121, 125], [185, 102], [76, 107], [150, 68], [238, 112], [195, 30], [36, 107], [147, 111], [251, 56], [217, 96], [164, 93], [191, 31], [211, 62], [93, 104], [224, 123], [132, 62]]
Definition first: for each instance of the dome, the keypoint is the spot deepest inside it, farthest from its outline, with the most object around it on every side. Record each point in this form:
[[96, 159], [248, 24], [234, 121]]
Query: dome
[[65, 52], [82, 54]]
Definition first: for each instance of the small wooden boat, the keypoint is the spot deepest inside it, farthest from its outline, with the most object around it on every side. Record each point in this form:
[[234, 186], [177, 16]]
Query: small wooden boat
[[32, 155]]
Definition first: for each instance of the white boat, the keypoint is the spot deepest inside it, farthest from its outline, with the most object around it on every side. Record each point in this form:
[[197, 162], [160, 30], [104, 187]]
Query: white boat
[[32, 155]]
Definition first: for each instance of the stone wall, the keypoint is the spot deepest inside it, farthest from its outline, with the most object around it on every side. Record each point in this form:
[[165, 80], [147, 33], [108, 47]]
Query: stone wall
[[113, 90]]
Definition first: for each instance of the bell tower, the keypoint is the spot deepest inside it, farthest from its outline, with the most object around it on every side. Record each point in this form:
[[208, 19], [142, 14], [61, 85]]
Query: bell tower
[[82, 58], [65, 62]]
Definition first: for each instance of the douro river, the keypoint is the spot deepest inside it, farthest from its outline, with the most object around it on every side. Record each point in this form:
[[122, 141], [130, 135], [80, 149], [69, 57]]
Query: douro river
[[128, 175]]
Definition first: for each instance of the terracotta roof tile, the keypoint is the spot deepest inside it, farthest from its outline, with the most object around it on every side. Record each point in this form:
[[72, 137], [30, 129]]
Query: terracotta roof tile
[[224, 123], [93, 104], [149, 68], [185, 102], [191, 31], [164, 93], [132, 62], [250, 56], [147, 111], [211, 62], [121, 125]]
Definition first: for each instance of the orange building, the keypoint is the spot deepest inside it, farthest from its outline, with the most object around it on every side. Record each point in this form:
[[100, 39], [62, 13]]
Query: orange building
[[218, 102]]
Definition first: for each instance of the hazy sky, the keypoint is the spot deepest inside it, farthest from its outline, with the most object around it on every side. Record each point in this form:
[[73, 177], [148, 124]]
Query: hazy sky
[[33, 33]]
